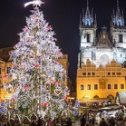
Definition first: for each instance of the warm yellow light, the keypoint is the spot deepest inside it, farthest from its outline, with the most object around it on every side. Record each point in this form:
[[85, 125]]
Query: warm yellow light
[[87, 96], [8, 96]]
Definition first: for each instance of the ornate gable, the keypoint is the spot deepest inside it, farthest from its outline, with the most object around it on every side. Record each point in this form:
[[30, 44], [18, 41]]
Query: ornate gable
[[104, 41]]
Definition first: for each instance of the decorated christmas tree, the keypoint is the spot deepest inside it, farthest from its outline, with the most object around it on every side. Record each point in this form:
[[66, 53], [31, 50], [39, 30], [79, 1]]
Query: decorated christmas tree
[[37, 77]]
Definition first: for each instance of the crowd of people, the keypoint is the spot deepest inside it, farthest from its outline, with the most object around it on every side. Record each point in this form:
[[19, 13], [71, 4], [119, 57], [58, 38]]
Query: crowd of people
[[35, 121], [86, 118], [103, 119]]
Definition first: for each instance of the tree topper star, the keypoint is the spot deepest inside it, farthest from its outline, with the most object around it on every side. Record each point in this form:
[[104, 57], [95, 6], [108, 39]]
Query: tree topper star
[[34, 3]]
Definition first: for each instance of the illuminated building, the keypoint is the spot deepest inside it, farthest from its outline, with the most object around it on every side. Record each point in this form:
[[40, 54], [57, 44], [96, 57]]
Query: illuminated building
[[107, 46], [64, 61], [100, 82], [100, 74], [5, 65]]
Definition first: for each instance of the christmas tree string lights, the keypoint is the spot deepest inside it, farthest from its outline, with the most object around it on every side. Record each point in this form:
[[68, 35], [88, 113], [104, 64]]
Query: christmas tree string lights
[[38, 79]]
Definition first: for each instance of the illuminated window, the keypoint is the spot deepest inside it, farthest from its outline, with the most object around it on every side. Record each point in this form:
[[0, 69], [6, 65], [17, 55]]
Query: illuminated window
[[95, 87], [0, 70], [115, 86], [109, 86], [88, 87], [8, 70], [120, 38], [122, 86], [82, 87]]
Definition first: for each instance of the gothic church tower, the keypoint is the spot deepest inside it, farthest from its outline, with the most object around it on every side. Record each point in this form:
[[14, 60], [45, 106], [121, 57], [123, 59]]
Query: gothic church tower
[[118, 33], [118, 30], [88, 28]]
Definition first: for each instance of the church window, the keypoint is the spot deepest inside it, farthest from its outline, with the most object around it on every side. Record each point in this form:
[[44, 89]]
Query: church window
[[93, 56], [120, 38], [82, 87], [88, 87], [95, 87], [109, 86], [115, 86], [88, 37], [122, 86], [0, 70]]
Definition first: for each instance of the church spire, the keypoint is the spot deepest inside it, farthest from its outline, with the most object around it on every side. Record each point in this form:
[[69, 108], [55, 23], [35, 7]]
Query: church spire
[[118, 13], [118, 18], [87, 14], [87, 19]]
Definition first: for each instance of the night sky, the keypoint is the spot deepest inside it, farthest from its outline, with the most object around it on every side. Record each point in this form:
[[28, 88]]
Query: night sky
[[63, 15]]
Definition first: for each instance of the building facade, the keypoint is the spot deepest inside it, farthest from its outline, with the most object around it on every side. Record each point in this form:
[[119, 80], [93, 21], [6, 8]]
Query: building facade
[[107, 46], [5, 65], [100, 82], [100, 74], [64, 61]]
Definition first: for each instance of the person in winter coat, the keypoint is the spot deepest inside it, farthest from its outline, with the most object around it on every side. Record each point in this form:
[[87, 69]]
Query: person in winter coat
[[111, 121], [83, 121], [103, 122], [68, 122]]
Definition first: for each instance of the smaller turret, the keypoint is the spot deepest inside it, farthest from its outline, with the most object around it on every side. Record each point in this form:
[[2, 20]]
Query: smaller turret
[[118, 17]]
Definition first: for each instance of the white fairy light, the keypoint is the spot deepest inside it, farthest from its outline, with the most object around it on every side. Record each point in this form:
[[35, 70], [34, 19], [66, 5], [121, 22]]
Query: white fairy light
[[38, 78]]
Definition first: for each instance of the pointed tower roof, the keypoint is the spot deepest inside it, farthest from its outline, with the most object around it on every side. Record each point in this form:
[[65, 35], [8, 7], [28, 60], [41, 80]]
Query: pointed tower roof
[[88, 17], [118, 18], [118, 12], [87, 14]]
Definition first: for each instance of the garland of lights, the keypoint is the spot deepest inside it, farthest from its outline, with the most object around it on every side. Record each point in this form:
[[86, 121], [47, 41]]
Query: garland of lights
[[37, 77]]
